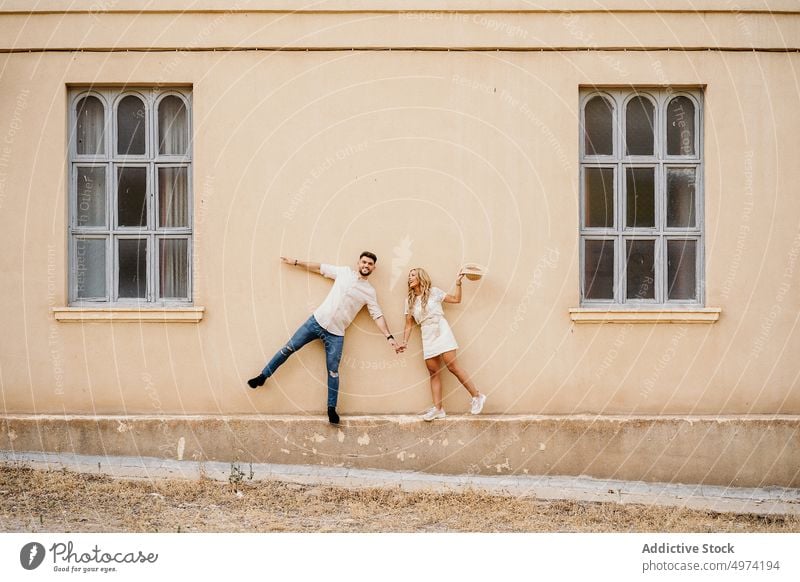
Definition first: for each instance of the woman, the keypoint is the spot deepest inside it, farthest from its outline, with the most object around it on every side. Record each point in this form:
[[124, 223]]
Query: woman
[[424, 305]]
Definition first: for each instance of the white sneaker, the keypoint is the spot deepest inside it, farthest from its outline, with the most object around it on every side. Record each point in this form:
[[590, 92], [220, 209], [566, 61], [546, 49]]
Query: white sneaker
[[477, 404], [433, 414]]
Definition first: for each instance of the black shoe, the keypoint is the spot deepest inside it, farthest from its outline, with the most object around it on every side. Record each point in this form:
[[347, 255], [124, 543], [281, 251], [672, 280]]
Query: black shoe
[[333, 418], [257, 381]]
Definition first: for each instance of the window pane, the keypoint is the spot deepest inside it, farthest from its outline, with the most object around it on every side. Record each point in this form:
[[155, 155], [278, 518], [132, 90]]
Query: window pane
[[598, 275], [132, 196], [639, 127], [680, 197], [173, 198], [680, 127], [174, 268], [172, 131], [599, 132], [90, 267], [133, 268], [91, 196], [640, 197], [599, 197], [130, 126], [681, 260], [90, 130], [640, 269]]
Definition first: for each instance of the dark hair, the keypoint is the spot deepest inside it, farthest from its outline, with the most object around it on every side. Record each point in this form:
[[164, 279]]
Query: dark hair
[[369, 255]]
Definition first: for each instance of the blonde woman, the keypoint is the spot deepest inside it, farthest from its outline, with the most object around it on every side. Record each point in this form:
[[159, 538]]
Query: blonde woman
[[424, 305]]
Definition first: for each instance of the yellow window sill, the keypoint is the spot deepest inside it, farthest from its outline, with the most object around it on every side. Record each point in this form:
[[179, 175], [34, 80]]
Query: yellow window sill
[[687, 315], [129, 314]]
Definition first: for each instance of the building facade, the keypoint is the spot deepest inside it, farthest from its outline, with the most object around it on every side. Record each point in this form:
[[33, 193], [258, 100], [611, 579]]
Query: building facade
[[627, 178]]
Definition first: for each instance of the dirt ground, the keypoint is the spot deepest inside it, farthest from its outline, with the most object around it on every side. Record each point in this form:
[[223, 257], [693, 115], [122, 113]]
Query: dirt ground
[[60, 501]]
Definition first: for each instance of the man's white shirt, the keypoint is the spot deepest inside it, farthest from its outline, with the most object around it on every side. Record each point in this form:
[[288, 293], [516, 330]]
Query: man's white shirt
[[348, 295]]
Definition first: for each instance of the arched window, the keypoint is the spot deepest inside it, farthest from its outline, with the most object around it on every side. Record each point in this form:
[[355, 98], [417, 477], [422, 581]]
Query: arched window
[[641, 225], [130, 204], [131, 126], [598, 129], [680, 127], [639, 128], [90, 126], [173, 133]]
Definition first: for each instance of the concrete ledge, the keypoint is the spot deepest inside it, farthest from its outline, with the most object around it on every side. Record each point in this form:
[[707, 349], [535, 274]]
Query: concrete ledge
[[758, 501], [739, 451]]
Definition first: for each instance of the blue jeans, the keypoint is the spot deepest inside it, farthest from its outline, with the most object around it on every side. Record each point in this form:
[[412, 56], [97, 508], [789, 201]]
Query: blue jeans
[[308, 332]]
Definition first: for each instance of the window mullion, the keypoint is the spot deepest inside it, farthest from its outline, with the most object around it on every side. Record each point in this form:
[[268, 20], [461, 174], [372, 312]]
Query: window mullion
[[619, 127], [661, 216], [619, 275], [151, 226]]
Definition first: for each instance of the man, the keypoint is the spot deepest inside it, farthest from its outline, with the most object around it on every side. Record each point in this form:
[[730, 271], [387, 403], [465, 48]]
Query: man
[[350, 292]]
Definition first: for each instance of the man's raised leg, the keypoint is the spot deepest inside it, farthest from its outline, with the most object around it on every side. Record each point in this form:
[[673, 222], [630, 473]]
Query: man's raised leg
[[305, 334]]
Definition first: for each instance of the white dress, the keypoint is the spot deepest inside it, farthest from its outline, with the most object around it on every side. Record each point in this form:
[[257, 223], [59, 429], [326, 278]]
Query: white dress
[[437, 337]]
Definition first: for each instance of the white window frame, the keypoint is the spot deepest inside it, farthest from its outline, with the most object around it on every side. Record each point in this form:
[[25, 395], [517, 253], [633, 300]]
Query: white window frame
[[110, 97], [619, 99]]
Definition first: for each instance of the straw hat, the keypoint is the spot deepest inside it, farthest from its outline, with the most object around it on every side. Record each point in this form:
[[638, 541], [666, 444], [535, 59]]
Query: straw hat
[[473, 271]]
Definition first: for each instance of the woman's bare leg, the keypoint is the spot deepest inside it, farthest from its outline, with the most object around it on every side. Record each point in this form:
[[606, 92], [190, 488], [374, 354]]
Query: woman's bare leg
[[452, 364], [434, 366]]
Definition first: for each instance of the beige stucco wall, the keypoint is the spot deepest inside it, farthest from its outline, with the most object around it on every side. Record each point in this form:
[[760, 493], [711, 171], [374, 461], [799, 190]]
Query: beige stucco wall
[[429, 158]]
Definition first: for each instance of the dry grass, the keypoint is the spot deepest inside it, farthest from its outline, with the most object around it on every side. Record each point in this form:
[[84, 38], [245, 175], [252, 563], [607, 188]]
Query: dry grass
[[38, 501]]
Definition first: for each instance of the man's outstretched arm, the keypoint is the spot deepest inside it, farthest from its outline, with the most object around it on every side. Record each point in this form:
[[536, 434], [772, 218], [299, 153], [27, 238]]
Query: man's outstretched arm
[[308, 266], [381, 323]]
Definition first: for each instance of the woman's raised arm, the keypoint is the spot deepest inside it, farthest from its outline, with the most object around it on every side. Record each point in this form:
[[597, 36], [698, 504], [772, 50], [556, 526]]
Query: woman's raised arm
[[455, 297]]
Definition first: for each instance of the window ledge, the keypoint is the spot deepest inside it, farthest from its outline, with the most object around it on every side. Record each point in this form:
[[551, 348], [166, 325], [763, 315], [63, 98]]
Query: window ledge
[[687, 315], [129, 314]]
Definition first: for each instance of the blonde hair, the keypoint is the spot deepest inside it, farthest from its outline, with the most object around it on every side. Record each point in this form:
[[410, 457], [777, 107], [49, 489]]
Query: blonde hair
[[424, 287]]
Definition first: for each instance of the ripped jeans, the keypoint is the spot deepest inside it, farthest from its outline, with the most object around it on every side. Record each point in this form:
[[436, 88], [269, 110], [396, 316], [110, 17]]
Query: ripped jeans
[[308, 332]]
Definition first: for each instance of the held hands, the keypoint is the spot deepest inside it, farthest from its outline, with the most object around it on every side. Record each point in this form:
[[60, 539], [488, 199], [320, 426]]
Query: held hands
[[396, 346]]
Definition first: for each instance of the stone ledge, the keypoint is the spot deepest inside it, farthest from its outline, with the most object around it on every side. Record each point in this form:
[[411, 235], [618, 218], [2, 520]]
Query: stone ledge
[[729, 451]]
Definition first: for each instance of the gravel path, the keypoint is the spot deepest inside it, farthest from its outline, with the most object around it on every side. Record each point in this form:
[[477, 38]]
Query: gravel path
[[49, 501]]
